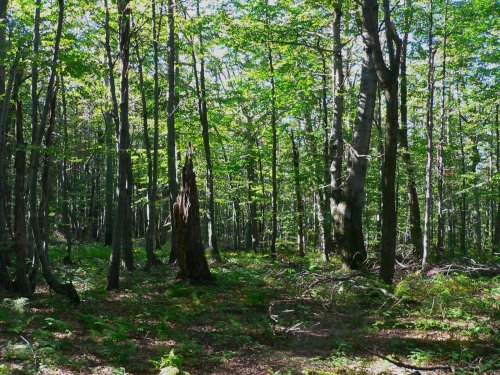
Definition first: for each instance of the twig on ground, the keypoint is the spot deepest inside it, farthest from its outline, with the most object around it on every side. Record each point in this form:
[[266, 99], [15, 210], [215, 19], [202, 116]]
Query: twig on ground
[[405, 365]]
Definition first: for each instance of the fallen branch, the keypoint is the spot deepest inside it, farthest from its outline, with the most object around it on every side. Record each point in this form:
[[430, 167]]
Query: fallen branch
[[404, 365], [331, 279]]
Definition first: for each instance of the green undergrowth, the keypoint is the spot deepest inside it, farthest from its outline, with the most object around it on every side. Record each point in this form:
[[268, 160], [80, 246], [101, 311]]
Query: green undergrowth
[[287, 315]]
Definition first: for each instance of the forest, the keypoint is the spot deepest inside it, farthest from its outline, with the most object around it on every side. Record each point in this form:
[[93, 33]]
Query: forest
[[249, 187]]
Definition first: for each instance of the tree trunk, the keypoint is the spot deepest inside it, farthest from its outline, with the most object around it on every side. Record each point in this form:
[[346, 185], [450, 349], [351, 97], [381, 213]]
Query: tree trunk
[[110, 175], [440, 151], [65, 186], [68, 289], [463, 205], [324, 196], [298, 198], [252, 234], [4, 107], [203, 113], [150, 209], [496, 239], [190, 255], [388, 78], [156, 114], [172, 172], [415, 226], [349, 213], [274, 193], [336, 138], [21, 282], [120, 218], [430, 145]]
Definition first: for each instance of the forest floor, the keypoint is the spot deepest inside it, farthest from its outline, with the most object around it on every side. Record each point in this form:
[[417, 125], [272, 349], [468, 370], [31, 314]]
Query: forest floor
[[259, 317]]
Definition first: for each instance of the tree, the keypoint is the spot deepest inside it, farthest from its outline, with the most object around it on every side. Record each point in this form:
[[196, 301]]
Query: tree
[[388, 79], [121, 231], [190, 255]]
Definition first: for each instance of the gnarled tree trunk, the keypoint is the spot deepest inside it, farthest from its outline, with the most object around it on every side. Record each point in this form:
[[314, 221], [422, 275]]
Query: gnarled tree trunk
[[190, 254]]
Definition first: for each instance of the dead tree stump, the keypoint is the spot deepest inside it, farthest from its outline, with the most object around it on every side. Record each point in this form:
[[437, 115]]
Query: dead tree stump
[[190, 252]]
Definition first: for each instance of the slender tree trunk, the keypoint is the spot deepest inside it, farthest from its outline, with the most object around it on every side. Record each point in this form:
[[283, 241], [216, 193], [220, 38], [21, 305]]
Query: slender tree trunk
[[21, 281], [348, 216], [110, 174], [120, 219], [172, 172], [336, 137], [252, 233], [203, 113], [150, 210], [430, 144], [67, 290], [388, 78], [274, 193], [65, 185], [4, 114], [476, 158], [114, 116], [4, 107], [298, 197], [415, 226], [156, 112], [440, 151], [324, 196], [496, 239], [463, 205]]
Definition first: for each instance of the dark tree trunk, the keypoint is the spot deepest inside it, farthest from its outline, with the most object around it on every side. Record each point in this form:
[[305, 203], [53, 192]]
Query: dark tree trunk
[[4, 108], [203, 113], [298, 197], [110, 174], [388, 78], [67, 290], [120, 227], [172, 172], [21, 281], [415, 226], [348, 216], [190, 255]]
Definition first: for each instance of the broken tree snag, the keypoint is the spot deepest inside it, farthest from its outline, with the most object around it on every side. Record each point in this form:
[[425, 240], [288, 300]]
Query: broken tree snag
[[190, 252]]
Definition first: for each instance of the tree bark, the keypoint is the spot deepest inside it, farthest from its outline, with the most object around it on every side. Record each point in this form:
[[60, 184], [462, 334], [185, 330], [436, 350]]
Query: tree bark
[[68, 289], [65, 185], [21, 282], [193, 265], [150, 209], [324, 196], [430, 144], [203, 113], [172, 172], [274, 193], [336, 142], [298, 197], [349, 213], [120, 217], [496, 239], [415, 225], [440, 151], [388, 78]]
